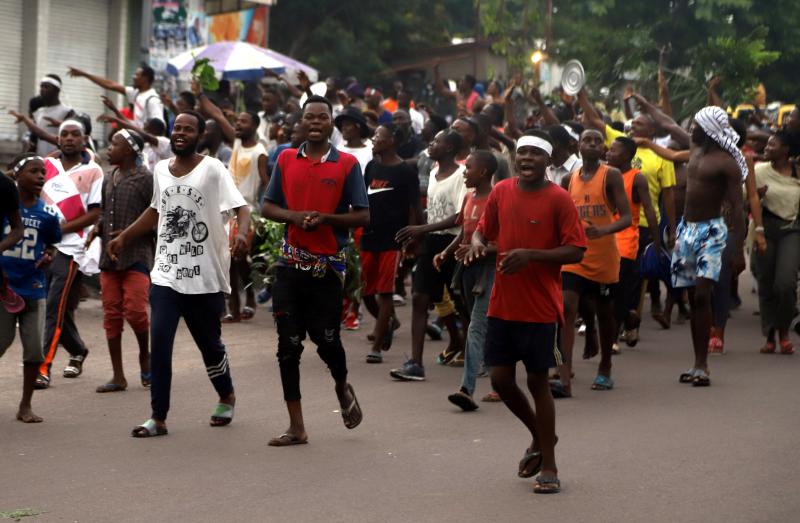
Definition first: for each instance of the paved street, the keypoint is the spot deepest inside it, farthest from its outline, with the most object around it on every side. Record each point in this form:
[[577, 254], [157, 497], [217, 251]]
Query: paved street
[[650, 450]]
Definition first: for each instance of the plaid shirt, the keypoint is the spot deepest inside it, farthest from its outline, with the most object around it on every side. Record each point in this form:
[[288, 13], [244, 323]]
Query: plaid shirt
[[125, 197]]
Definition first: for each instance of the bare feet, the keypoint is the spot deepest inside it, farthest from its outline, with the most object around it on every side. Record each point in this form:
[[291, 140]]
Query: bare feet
[[26, 415]]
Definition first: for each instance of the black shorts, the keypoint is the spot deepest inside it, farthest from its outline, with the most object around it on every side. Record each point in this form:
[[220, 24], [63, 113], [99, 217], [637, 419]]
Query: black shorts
[[426, 279], [534, 344], [585, 287]]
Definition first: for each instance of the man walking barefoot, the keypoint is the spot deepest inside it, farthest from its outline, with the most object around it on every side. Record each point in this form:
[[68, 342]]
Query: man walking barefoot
[[717, 170]]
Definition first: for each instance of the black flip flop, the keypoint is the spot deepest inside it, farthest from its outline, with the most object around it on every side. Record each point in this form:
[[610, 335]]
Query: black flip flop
[[547, 484], [527, 459], [352, 415]]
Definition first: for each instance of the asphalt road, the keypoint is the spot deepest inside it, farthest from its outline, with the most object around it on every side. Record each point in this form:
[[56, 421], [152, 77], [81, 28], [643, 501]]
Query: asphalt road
[[650, 450]]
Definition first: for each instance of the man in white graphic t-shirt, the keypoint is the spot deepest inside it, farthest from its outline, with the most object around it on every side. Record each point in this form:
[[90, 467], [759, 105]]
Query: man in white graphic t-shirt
[[192, 194]]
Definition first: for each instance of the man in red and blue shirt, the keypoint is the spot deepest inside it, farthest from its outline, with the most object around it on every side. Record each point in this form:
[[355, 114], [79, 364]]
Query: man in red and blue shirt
[[319, 193]]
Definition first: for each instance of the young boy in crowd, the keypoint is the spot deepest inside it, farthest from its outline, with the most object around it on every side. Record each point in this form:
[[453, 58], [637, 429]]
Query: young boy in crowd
[[125, 282], [393, 192], [598, 193], [536, 228], [23, 263], [477, 278]]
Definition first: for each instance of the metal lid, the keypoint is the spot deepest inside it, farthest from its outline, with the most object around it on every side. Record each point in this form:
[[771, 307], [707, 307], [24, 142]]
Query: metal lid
[[573, 77]]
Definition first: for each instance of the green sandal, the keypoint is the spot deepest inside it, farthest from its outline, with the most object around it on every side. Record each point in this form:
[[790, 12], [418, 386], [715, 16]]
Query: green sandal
[[222, 415]]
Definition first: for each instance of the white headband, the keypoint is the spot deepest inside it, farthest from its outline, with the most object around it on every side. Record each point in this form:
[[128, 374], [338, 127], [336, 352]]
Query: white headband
[[131, 141], [71, 122], [20, 164], [535, 141], [51, 81], [571, 132]]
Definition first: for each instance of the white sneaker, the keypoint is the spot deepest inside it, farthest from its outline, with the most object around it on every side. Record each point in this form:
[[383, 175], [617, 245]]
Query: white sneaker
[[582, 330], [398, 300]]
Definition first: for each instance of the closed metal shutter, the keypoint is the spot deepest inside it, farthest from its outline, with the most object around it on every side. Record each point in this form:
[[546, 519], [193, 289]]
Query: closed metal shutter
[[10, 67], [78, 37]]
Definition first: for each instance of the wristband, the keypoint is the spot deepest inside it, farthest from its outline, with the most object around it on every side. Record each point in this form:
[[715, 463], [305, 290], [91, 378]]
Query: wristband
[[760, 228]]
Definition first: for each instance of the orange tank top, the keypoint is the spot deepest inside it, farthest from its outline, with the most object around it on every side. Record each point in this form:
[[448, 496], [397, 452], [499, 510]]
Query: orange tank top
[[628, 239], [601, 260]]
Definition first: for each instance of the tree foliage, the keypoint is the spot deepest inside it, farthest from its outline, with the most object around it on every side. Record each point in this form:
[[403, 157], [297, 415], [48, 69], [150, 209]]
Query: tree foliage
[[359, 38], [743, 41]]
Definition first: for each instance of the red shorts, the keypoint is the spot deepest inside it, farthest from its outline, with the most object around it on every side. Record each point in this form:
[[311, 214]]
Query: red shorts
[[378, 271]]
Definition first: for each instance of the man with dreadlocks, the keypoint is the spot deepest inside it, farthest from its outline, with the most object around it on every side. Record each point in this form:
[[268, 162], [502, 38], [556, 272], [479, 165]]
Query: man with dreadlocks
[[716, 171]]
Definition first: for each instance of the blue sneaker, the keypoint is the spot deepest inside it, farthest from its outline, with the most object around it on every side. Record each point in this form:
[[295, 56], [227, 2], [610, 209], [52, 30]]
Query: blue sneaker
[[410, 371]]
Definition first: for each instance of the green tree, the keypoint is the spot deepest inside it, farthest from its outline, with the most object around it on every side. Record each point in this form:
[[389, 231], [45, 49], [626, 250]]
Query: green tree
[[360, 38]]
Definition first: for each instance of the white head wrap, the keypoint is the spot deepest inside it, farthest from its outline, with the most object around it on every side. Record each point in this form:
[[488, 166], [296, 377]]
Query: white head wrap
[[20, 164], [128, 135], [714, 122], [69, 123], [535, 141], [571, 132], [51, 81]]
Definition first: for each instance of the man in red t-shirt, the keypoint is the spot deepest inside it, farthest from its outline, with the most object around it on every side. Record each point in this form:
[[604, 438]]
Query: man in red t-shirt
[[536, 229], [319, 193]]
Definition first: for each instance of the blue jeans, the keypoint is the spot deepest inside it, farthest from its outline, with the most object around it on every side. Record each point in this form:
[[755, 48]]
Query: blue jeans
[[477, 301]]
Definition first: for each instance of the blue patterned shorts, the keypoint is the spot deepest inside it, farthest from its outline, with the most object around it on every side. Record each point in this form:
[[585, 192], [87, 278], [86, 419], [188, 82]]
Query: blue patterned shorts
[[698, 251]]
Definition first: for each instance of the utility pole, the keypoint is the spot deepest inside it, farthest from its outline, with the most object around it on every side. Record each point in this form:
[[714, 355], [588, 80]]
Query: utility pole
[[477, 38]]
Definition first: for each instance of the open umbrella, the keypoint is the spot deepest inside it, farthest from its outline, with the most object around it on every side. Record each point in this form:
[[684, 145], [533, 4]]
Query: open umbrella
[[238, 61]]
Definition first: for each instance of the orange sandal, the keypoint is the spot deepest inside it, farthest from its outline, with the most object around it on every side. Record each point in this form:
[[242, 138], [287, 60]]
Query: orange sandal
[[786, 347]]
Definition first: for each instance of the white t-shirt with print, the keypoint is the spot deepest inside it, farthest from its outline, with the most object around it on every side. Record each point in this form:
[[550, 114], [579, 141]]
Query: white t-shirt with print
[[244, 169], [192, 249], [446, 197], [146, 105]]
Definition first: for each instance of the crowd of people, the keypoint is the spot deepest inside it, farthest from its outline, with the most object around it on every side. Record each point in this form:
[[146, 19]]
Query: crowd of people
[[518, 236]]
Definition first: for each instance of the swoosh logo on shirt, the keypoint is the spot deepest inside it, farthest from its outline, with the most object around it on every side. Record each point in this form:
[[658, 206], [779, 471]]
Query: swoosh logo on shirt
[[370, 190]]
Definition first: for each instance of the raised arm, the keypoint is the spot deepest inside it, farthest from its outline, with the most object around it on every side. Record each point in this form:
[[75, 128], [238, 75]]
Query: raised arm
[[665, 122], [33, 128], [713, 96], [439, 86], [105, 83], [591, 117], [512, 128], [663, 92], [208, 108], [548, 115], [124, 123]]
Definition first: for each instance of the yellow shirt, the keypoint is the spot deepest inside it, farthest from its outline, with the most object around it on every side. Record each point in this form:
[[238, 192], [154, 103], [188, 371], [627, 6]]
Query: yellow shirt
[[660, 173]]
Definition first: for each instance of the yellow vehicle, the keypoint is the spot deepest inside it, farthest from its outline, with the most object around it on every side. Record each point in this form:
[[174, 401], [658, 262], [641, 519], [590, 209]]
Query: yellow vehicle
[[783, 113]]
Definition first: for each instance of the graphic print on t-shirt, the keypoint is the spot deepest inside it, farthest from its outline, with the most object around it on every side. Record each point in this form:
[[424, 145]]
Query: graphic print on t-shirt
[[183, 233]]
